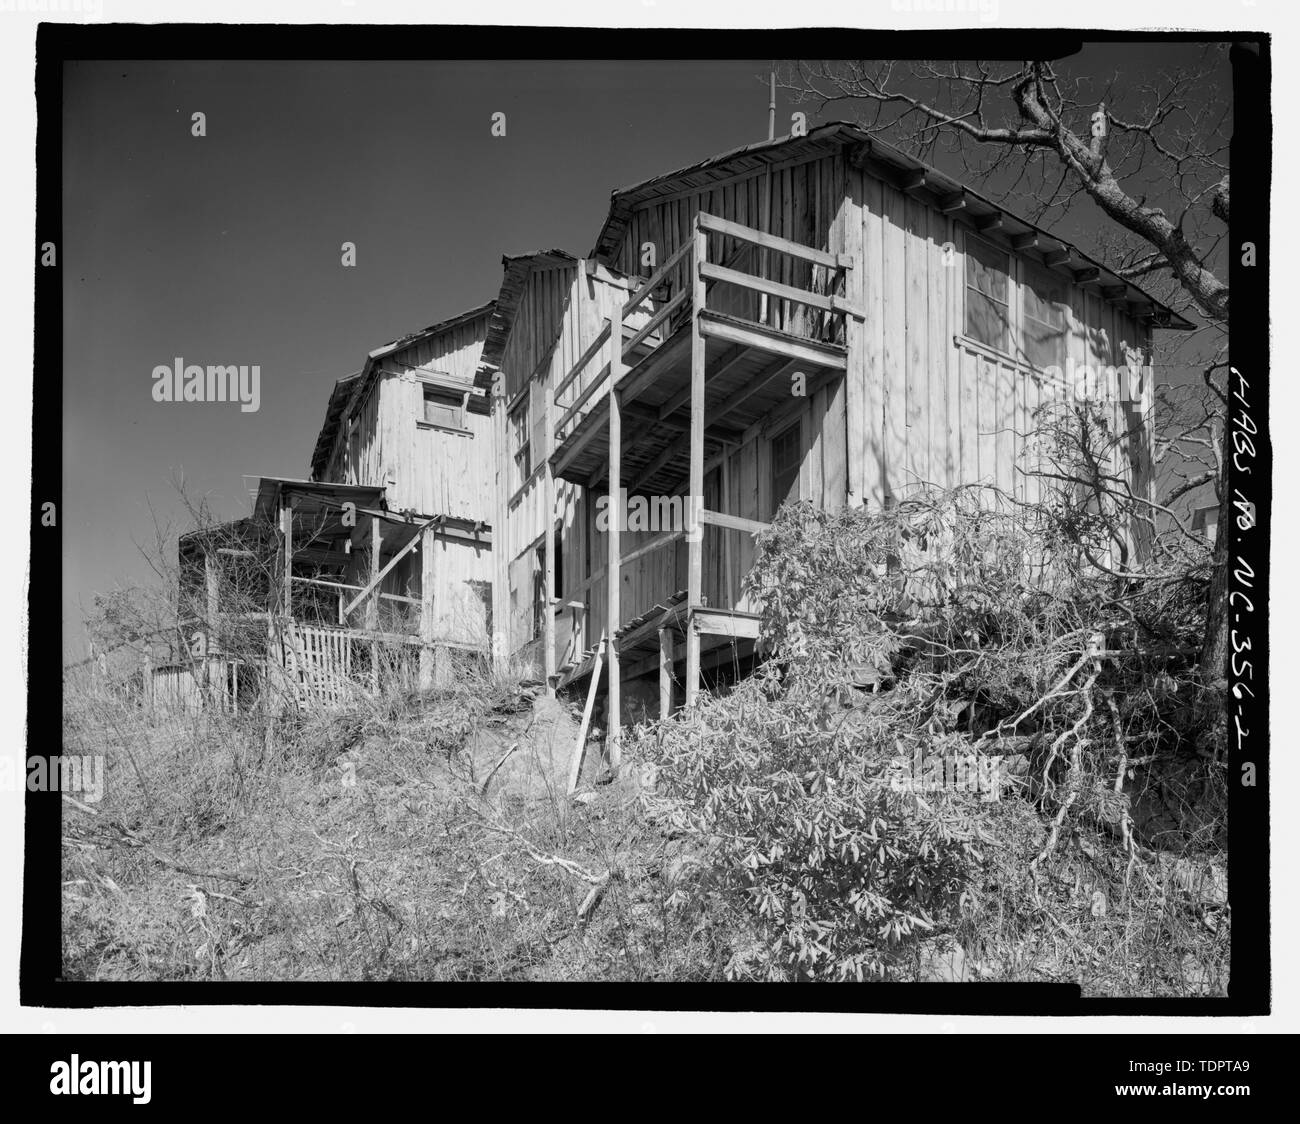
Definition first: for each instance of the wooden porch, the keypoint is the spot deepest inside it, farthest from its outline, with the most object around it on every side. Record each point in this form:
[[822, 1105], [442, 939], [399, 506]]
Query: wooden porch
[[655, 423], [345, 597], [657, 640]]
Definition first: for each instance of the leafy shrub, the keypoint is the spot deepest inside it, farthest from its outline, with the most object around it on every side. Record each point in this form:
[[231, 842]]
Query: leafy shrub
[[954, 624], [838, 872]]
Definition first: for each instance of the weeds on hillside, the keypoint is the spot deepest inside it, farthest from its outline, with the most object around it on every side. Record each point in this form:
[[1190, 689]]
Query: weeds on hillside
[[775, 832]]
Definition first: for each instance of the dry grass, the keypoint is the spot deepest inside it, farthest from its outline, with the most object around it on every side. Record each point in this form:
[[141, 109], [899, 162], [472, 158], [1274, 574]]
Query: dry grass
[[415, 837], [361, 844], [427, 836]]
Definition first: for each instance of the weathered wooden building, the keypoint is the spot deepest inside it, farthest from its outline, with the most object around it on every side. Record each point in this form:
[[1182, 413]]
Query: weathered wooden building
[[413, 424], [376, 569], [819, 317], [550, 309]]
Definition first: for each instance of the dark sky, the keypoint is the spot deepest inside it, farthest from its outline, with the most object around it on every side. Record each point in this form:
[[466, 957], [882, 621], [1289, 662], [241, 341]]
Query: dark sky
[[226, 249]]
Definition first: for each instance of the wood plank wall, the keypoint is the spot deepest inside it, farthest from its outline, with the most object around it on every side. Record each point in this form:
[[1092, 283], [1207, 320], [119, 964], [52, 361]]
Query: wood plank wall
[[925, 408], [562, 310], [917, 404], [463, 569], [428, 471]]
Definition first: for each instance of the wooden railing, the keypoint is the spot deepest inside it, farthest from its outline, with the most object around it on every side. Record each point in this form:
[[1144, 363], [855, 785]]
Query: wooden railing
[[837, 264], [684, 257]]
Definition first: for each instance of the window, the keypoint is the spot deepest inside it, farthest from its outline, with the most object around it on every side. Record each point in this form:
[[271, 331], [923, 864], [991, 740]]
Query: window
[[520, 449], [988, 309], [1015, 307], [1044, 325], [787, 455], [444, 408]]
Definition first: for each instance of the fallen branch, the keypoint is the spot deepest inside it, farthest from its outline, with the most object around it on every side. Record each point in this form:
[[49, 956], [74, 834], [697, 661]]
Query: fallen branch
[[1066, 804], [1051, 694], [488, 779]]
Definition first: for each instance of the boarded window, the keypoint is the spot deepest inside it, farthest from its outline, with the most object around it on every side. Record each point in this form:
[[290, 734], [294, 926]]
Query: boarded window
[[988, 313], [787, 455], [445, 408], [1044, 299]]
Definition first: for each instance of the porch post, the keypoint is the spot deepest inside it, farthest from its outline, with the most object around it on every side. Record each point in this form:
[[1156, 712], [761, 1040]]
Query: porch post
[[372, 605], [548, 561], [665, 673], [428, 606], [286, 531], [695, 491], [616, 514]]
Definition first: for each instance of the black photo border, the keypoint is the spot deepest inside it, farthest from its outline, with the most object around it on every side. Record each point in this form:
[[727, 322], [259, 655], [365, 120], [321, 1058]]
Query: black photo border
[[40, 984]]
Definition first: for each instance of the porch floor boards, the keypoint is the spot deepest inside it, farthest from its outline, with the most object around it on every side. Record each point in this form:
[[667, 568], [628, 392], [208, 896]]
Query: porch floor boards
[[638, 640]]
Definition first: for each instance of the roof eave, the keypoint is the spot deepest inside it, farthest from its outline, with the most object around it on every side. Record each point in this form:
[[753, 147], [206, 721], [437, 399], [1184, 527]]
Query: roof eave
[[622, 202]]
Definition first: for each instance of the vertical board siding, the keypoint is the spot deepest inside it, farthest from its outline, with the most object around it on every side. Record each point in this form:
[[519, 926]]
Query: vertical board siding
[[797, 202], [936, 409], [562, 311], [894, 345], [427, 471], [916, 305], [871, 367], [917, 405]]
